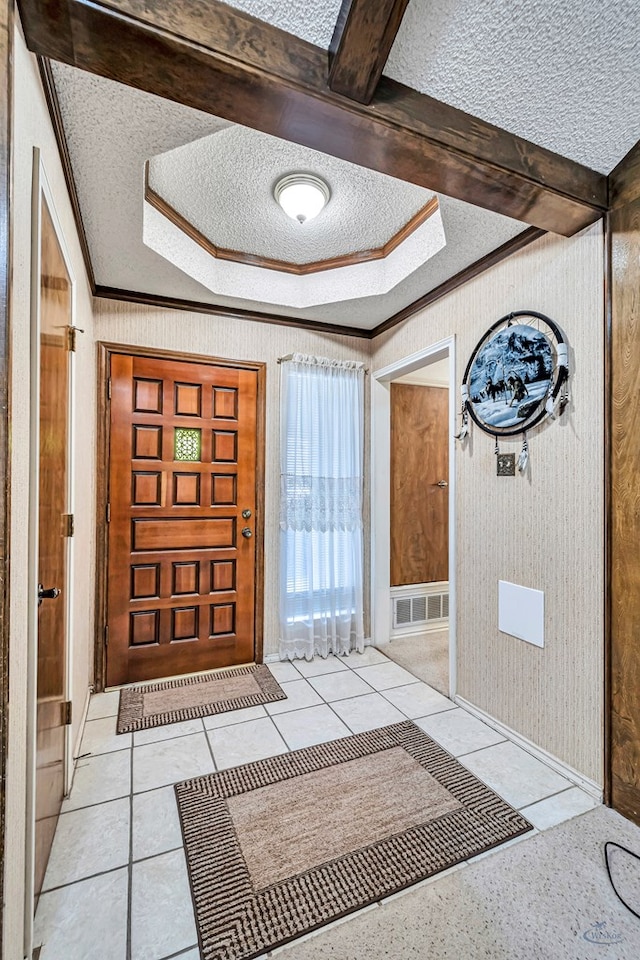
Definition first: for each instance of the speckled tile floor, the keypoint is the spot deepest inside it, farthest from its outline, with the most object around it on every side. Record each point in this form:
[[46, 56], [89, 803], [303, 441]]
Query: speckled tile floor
[[116, 887]]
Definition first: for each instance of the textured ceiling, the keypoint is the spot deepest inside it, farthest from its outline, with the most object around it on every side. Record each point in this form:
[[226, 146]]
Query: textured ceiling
[[561, 73], [564, 74], [313, 22], [223, 185], [112, 130]]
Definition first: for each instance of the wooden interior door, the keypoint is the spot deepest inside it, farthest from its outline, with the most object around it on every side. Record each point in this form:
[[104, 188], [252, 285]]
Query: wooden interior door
[[419, 484], [55, 318], [182, 517]]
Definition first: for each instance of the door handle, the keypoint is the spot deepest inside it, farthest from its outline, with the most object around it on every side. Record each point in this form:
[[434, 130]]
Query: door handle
[[246, 532], [441, 483], [246, 514], [49, 594]]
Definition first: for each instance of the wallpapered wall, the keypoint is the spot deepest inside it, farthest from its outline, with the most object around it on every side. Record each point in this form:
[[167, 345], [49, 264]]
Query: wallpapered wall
[[239, 340], [32, 128], [544, 530]]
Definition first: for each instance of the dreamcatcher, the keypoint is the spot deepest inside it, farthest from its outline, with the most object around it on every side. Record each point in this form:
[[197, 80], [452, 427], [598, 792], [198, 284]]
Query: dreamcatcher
[[515, 378]]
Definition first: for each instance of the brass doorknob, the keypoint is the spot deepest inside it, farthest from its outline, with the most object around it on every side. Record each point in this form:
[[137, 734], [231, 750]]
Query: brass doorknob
[[442, 484], [246, 532]]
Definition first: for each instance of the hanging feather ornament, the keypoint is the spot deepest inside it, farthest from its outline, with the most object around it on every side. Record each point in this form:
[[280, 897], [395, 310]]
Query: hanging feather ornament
[[523, 459], [464, 414]]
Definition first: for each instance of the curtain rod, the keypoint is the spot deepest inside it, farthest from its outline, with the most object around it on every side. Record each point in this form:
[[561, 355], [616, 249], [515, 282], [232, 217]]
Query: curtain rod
[[289, 356]]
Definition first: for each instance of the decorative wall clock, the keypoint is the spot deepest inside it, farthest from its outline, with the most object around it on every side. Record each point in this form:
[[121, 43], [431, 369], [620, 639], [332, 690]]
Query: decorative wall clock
[[515, 378]]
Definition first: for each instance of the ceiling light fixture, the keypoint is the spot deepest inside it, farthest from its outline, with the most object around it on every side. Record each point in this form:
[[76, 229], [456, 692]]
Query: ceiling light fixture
[[302, 195]]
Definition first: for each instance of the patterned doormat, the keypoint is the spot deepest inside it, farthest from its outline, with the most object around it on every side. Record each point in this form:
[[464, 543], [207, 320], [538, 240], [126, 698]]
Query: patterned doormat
[[281, 846], [188, 698]]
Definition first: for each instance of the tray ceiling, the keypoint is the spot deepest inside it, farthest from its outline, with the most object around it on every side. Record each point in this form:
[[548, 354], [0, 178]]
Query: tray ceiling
[[113, 130], [223, 185]]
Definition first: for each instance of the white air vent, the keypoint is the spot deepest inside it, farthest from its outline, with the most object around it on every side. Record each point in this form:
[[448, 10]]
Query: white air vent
[[402, 612], [419, 608]]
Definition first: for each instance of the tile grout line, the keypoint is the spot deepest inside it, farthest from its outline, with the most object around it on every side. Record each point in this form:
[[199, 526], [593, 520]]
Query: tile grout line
[[238, 723], [161, 853], [213, 759], [90, 876], [281, 734], [341, 719], [181, 953], [177, 736], [471, 753], [130, 864], [550, 796]]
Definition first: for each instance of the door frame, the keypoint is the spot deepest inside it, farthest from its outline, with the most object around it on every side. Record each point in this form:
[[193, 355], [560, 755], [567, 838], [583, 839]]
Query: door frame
[[381, 488], [40, 191], [105, 351]]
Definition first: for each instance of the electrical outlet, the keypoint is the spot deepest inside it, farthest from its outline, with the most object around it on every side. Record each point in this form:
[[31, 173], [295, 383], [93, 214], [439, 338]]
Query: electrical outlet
[[506, 463]]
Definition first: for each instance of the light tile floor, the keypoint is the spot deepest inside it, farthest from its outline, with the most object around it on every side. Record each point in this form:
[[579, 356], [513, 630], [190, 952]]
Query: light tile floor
[[116, 886]]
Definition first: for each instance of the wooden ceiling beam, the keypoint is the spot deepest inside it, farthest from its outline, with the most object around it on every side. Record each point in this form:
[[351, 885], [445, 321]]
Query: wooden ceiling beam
[[213, 58], [624, 180], [361, 43]]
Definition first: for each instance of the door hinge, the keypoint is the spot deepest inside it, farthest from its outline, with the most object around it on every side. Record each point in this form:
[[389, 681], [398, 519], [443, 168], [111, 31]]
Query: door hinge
[[109, 388], [67, 525], [66, 712], [108, 513], [106, 634], [72, 335]]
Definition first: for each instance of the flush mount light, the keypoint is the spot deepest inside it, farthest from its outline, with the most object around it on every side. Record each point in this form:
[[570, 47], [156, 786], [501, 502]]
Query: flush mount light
[[302, 195]]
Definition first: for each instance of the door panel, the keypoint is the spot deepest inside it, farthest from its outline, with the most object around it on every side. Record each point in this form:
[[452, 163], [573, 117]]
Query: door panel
[[55, 316], [182, 469], [419, 462]]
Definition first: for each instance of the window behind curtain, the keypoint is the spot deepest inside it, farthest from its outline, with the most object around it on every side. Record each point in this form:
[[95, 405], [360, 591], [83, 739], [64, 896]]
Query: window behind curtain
[[322, 428]]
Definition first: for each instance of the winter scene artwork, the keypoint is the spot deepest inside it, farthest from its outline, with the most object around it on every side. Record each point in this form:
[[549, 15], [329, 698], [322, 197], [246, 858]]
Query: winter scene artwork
[[510, 377]]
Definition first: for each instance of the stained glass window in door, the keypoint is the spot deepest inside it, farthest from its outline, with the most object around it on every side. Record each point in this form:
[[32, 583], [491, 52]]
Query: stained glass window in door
[[187, 444]]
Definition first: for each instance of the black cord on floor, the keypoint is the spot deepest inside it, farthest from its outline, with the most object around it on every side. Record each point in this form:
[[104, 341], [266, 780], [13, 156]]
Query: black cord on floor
[[607, 845]]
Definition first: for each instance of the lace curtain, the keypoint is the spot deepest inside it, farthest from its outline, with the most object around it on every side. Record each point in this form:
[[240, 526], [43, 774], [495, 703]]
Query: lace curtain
[[321, 485]]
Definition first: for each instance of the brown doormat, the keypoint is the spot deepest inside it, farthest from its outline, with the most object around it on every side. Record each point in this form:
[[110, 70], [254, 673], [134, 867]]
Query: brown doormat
[[281, 846], [188, 698]]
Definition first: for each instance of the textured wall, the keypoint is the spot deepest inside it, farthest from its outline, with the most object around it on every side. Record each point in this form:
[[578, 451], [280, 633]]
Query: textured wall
[[32, 128], [237, 340], [544, 530]]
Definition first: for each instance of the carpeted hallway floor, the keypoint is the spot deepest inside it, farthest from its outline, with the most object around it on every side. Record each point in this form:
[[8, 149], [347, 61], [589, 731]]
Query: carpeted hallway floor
[[543, 898], [425, 655]]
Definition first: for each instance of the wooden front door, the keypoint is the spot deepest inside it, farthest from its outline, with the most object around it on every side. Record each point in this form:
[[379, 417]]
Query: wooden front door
[[419, 484], [182, 517], [55, 317]]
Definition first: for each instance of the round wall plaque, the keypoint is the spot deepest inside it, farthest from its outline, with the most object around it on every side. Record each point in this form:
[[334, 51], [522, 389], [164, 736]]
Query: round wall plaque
[[515, 375]]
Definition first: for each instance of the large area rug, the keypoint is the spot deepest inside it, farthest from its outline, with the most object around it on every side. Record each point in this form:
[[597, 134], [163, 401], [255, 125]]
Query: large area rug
[[188, 698], [282, 846]]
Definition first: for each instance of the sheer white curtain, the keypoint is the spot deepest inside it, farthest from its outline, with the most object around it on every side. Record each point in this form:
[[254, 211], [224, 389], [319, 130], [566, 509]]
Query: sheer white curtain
[[321, 489]]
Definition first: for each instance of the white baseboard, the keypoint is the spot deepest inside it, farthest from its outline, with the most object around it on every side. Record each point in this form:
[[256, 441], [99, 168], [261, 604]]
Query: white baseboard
[[436, 626], [589, 786]]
